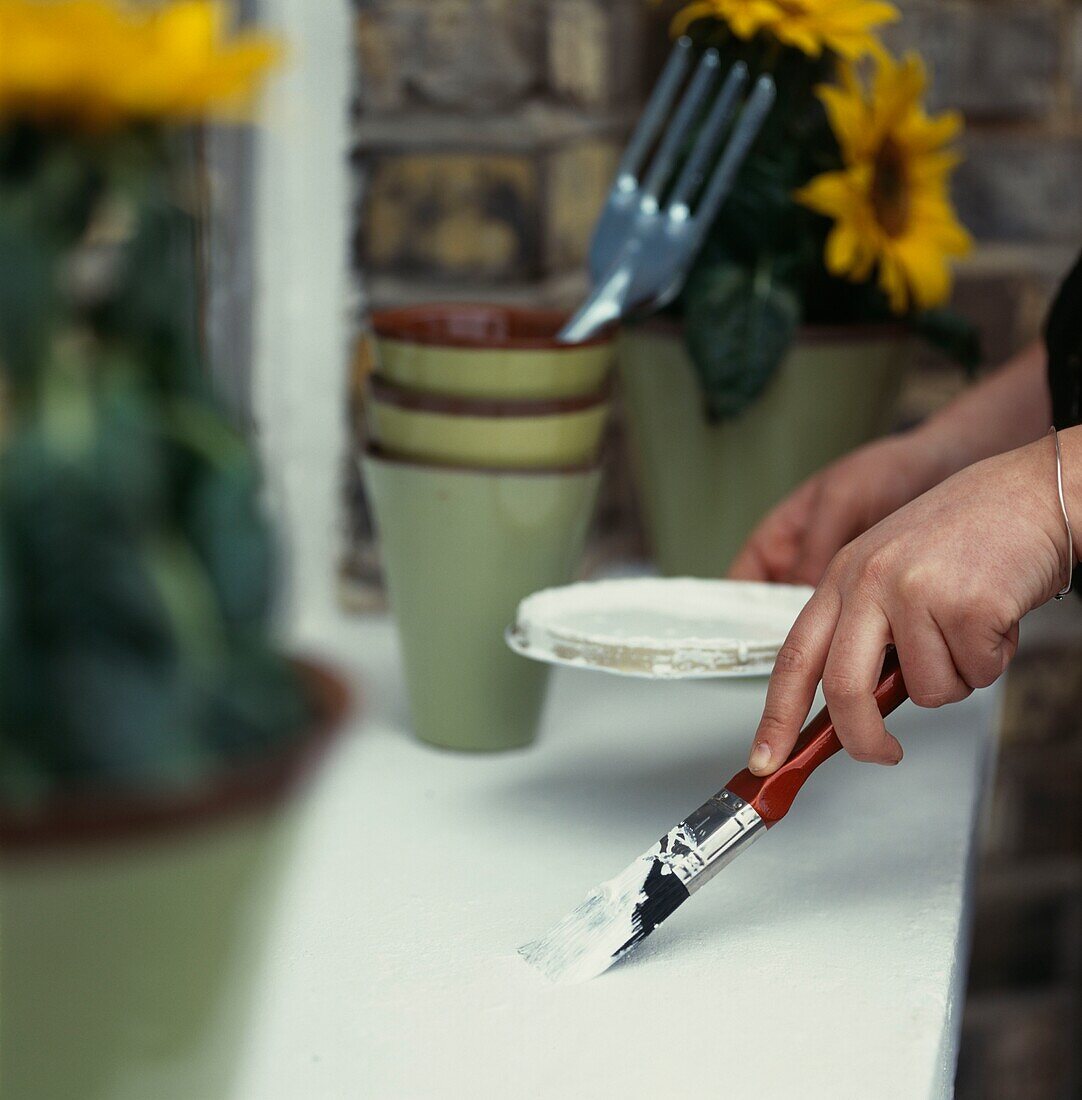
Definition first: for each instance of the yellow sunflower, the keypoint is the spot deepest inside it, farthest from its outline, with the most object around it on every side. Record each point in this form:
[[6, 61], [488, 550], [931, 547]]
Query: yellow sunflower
[[101, 63], [890, 201], [845, 26]]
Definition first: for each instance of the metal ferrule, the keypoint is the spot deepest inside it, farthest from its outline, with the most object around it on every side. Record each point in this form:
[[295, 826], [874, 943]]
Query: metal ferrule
[[715, 834]]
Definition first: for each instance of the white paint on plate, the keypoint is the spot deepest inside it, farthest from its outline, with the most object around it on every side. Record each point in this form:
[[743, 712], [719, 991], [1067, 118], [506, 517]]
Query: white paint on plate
[[660, 628]]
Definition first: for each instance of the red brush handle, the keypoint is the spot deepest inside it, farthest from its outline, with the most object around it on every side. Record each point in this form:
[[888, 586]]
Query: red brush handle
[[772, 795]]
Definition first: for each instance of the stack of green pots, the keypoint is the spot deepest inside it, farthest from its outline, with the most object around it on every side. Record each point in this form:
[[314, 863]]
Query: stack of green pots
[[482, 469]]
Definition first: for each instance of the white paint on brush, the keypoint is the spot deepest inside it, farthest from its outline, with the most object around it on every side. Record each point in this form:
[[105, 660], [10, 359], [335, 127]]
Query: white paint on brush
[[662, 628], [588, 940]]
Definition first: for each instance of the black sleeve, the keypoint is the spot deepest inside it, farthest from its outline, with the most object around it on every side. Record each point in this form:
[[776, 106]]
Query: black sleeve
[[1063, 339]]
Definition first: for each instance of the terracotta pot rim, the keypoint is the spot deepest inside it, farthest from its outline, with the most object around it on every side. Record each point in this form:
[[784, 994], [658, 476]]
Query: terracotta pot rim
[[77, 822], [404, 325], [389, 458], [497, 408], [807, 334]]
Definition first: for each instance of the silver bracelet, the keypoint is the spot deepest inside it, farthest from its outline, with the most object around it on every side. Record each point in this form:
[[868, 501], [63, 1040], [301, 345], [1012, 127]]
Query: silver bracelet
[[1066, 519]]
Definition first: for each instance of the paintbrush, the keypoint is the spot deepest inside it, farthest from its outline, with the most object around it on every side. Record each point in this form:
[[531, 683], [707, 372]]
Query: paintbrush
[[618, 915]]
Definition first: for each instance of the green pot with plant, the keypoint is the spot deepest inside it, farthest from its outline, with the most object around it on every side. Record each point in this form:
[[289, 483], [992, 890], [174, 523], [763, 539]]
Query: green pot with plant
[[151, 736], [789, 340]]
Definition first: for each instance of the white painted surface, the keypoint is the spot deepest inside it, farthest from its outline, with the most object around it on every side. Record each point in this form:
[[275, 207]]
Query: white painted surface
[[827, 961], [302, 191], [670, 628]]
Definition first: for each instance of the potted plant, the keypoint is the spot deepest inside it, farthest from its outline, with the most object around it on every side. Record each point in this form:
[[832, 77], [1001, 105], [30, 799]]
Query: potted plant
[[787, 344], [151, 735]]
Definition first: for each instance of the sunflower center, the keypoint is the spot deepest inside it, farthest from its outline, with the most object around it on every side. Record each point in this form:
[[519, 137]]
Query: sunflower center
[[890, 190]]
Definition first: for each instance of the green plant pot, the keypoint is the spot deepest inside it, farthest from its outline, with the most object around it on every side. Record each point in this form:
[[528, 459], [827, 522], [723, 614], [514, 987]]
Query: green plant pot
[[470, 432], [132, 931], [704, 487], [460, 549], [487, 351]]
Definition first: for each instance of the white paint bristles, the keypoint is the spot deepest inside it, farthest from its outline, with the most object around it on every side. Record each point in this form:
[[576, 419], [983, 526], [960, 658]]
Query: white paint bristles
[[612, 919]]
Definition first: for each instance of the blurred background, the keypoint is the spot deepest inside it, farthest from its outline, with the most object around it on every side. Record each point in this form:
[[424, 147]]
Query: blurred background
[[485, 137], [487, 133]]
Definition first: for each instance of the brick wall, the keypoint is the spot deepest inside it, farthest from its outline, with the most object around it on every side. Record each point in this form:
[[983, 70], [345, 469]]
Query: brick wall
[[1023, 1012], [487, 132], [1015, 70]]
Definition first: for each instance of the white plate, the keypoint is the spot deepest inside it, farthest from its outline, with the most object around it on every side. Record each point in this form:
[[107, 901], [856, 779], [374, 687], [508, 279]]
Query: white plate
[[659, 628]]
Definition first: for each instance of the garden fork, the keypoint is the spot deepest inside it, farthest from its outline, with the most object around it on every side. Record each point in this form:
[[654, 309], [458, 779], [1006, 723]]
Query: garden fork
[[647, 235]]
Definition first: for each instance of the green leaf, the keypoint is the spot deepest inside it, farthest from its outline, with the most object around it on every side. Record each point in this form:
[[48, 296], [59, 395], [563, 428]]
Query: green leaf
[[738, 324], [28, 304], [151, 310], [136, 566], [230, 534], [951, 334], [49, 185]]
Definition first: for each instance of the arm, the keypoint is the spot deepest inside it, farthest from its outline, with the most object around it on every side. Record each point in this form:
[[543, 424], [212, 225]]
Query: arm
[[1003, 411], [945, 579]]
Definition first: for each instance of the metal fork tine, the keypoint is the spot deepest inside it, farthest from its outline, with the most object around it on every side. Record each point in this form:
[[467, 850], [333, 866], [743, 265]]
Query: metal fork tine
[[747, 129], [654, 115], [685, 115], [695, 169], [640, 255]]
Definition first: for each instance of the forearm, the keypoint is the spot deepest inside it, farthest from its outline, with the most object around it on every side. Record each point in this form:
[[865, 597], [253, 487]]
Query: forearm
[[1008, 409]]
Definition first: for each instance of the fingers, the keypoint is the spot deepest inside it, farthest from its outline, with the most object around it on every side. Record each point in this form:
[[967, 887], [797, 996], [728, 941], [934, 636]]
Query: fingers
[[774, 545], [850, 677], [980, 647], [837, 512], [797, 670], [751, 564], [931, 676], [1008, 647], [844, 646]]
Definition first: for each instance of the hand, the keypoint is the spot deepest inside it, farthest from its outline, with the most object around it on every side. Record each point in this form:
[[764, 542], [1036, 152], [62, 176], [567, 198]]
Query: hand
[[945, 579], [844, 500]]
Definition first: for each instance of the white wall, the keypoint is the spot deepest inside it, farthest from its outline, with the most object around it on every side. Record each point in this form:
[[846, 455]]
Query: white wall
[[299, 296]]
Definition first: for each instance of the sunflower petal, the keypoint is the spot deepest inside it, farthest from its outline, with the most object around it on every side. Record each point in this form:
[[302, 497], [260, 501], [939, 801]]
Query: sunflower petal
[[897, 168], [101, 63], [925, 271], [801, 37], [683, 19], [848, 119], [830, 193], [922, 134], [844, 27], [843, 253], [893, 284]]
